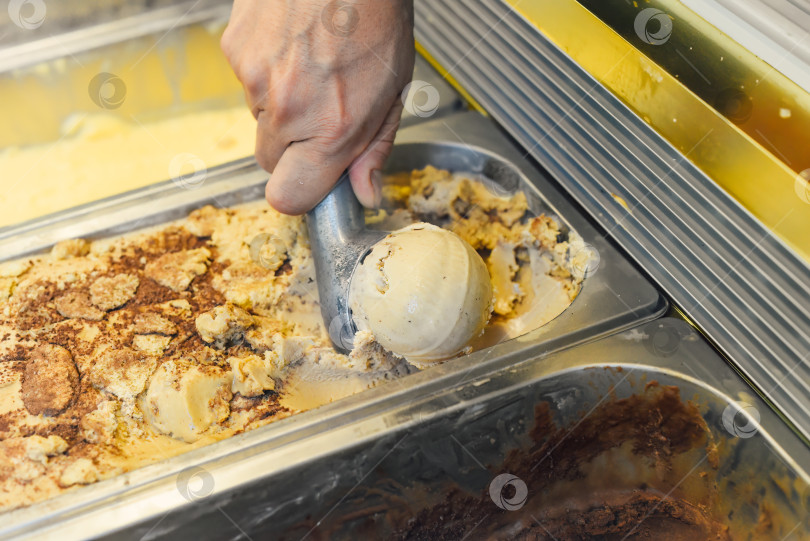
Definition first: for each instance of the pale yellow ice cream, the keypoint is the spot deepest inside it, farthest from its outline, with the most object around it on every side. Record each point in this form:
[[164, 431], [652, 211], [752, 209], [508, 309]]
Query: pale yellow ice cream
[[423, 292], [102, 155], [185, 399]]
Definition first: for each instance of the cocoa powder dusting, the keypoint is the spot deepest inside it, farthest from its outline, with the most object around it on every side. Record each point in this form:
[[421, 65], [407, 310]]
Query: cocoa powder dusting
[[171, 239], [52, 369], [204, 296], [150, 292], [50, 381], [17, 353]]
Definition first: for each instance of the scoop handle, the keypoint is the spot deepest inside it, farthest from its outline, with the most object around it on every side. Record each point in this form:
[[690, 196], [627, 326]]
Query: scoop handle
[[339, 215], [338, 238]]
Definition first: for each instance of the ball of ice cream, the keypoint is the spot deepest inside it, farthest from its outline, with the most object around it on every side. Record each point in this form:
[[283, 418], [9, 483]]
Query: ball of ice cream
[[423, 292]]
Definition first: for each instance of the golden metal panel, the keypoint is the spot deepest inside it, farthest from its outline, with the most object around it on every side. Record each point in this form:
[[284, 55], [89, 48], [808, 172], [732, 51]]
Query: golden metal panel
[[760, 178], [449, 78]]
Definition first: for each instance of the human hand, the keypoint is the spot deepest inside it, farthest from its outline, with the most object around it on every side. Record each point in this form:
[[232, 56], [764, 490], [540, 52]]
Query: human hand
[[323, 79]]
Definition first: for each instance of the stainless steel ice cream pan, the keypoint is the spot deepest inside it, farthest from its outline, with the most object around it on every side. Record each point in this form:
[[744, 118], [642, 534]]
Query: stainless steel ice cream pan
[[426, 469], [614, 297]]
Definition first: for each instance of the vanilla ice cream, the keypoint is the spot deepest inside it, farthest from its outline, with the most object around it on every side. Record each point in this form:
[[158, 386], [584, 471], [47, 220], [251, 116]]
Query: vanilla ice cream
[[184, 399], [423, 292]]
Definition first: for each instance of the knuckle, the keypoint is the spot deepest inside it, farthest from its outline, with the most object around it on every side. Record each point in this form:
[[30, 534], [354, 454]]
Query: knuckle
[[264, 152], [253, 77], [227, 45], [323, 150], [280, 105], [379, 151], [263, 162]]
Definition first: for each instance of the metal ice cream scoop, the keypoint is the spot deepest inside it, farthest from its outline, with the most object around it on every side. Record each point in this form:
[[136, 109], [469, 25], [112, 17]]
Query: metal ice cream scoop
[[339, 239]]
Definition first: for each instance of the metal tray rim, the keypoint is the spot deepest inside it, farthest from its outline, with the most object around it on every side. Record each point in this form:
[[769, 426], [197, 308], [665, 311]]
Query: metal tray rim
[[164, 19]]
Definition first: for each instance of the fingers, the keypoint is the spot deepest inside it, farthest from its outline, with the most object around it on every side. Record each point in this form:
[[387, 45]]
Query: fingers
[[305, 171], [270, 144], [365, 170], [284, 113], [303, 176]]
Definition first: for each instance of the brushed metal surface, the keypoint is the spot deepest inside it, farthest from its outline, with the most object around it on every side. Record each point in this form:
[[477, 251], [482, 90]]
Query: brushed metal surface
[[61, 17], [739, 283], [339, 239]]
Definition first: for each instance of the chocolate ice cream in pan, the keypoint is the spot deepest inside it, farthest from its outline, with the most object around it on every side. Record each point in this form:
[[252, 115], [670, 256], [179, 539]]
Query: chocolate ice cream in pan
[[178, 298], [647, 434]]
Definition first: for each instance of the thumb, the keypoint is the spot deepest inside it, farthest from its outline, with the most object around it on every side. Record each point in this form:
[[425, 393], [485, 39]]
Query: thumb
[[303, 176], [365, 170]]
